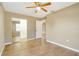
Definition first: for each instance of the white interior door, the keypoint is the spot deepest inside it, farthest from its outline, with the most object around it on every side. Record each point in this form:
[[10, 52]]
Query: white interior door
[[21, 28], [38, 29]]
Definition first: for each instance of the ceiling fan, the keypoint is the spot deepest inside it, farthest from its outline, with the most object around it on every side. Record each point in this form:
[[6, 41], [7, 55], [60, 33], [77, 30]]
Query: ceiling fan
[[39, 6]]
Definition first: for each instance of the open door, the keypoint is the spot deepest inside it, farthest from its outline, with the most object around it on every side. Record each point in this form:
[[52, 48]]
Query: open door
[[40, 29], [19, 29]]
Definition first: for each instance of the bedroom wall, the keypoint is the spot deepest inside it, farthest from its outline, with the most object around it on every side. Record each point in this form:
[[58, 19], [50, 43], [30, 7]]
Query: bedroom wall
[[62, 27], [2, 37], [31, 25]]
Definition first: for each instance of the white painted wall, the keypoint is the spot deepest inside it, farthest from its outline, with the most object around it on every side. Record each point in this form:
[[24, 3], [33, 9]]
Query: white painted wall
[[62, 27], [44, 29], [1, 29]]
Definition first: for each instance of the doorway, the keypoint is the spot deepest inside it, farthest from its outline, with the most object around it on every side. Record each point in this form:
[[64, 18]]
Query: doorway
[[19, 29], [40, 29]]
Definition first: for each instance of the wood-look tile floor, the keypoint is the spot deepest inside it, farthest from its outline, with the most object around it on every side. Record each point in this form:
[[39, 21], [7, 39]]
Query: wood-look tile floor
[[37, 47]]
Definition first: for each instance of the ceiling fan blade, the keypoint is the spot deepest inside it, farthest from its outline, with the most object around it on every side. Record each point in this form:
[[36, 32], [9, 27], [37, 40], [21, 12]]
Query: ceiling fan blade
[[46, 4], [37, 3], [32, 7], [44, 9]]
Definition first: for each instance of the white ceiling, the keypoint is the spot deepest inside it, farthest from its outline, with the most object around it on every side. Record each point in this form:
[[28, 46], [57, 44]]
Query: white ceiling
[[19, 7]]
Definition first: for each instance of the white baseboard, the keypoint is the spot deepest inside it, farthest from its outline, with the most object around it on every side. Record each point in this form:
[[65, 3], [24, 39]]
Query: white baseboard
[[31, 38], [75, 50], [2, 50], [8, 43], [19, 41]]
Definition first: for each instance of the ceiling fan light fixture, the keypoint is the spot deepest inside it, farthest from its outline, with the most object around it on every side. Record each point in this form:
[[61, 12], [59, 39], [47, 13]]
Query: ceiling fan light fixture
[[38, 8]]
